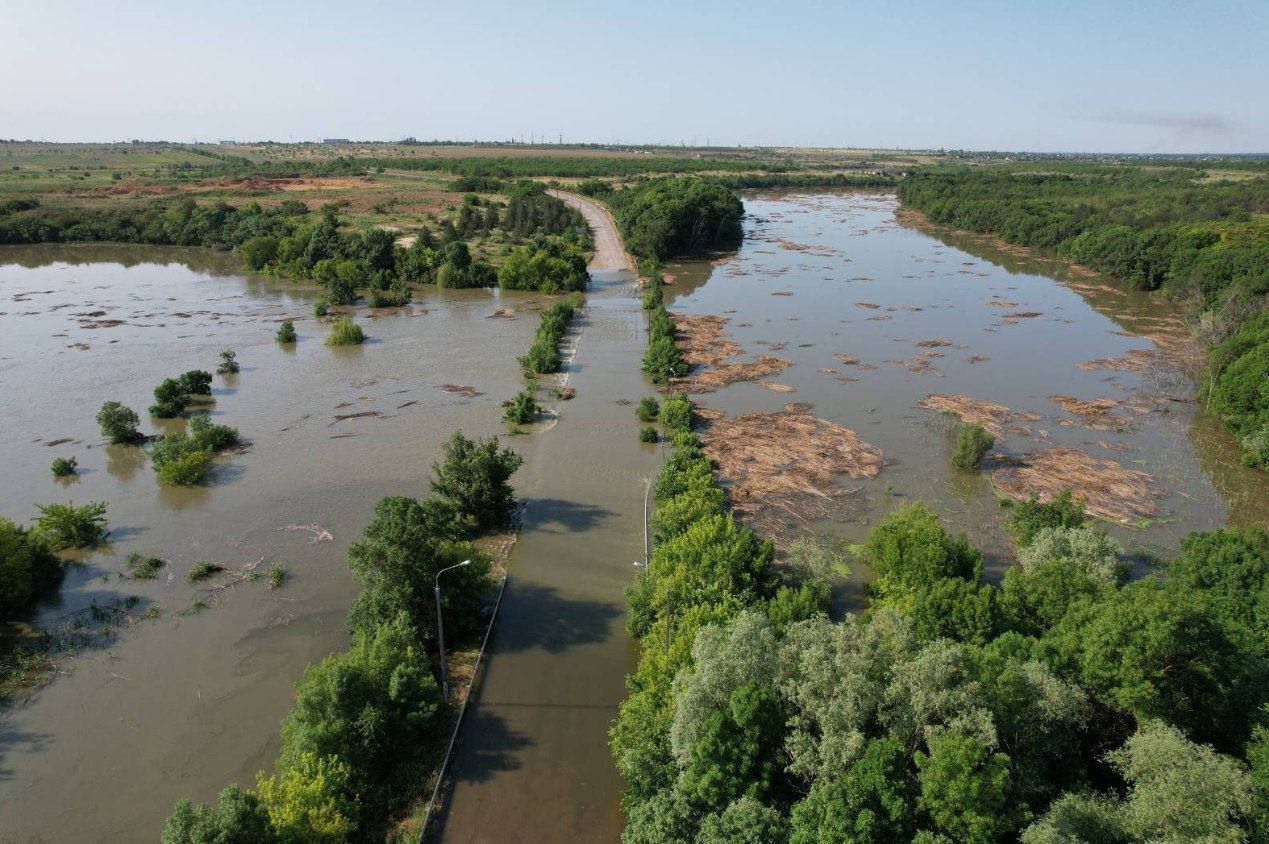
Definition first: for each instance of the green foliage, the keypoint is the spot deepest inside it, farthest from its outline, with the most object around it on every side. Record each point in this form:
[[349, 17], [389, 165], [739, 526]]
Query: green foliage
[[118, 423], [475, 477], [676, 413], [1238, 387], [321, 308], [196, 382], [647, 409], [547, 265], [662, 360], [871, 801], [308, 801], [543, 356], [671, 216], [228, 362], [183, 459], [26, 566], [259, 252], [203, 570], [648, 434], [237, 818], [1027, 518], [142, 567], [972, 444], [286, 332], [64, 466], [372, 709], [1231, 566], [1062, 567], [345, 332], [397, 558], [276, 576], [910, 551], [170, 399], [521, 409], [68, 526], [964, 787]]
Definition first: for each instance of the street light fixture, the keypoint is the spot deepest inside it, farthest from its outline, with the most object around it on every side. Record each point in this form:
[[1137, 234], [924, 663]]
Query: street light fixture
[[440, 628]]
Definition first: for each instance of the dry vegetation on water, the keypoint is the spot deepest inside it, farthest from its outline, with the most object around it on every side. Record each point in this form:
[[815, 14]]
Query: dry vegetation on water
[[706, 346], [995, 418], [783, 469], [1107, 489]]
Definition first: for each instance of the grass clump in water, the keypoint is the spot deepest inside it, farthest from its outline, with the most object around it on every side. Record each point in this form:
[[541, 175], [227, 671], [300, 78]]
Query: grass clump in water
[[141, 567], [277, 576], [286, 332], [972, 444], [345, 332], [203, 570], [648, 434]]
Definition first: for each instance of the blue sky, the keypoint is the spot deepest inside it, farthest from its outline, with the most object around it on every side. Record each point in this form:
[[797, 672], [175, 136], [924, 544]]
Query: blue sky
[[1069, 76]]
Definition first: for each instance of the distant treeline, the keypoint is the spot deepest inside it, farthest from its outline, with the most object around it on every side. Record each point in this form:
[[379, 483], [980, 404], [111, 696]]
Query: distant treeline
[[1206, 241], [500, 167], [677, 215], [1153, 229], [292, 242], [808, 180]]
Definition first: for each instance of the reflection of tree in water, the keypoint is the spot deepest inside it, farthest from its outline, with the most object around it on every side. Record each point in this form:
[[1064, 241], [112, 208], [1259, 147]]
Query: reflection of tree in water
[[124, 461]]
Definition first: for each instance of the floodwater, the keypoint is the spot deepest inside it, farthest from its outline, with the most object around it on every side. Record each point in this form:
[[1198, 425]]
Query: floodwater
[[927, 312], [185, 704]]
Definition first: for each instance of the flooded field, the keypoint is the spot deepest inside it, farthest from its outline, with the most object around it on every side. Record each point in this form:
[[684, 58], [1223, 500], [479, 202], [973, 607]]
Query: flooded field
[[187, 702], [843, 332]]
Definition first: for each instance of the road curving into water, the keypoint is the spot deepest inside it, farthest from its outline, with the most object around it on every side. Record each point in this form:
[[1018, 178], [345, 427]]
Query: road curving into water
[[533, 761]]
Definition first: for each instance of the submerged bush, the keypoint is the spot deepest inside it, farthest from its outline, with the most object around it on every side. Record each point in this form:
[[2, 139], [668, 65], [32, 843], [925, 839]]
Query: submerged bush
[[647, 409], [184, 468], [676, 413], [286, 332], [345, 332], [972, 444], [182, 459], [170, 399], [68, 526], [648, 434], [228, 362], [321, 307], [521, 410], [196, 382], [63, 466], [118, 423]]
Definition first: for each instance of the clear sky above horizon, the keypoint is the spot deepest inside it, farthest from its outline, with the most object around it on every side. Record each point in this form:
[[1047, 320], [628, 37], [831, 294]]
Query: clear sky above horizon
[[1047, 76]]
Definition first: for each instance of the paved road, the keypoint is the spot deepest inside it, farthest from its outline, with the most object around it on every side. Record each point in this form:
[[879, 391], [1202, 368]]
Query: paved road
[[533, 763]]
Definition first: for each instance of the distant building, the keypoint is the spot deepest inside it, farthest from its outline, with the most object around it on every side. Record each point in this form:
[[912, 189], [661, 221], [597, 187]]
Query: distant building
[[336, 141]]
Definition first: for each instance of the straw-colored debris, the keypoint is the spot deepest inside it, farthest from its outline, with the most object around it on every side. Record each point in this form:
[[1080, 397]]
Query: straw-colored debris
[[1098, 414], [993, 417], [1137, 360], [784, 467], [706, 346], [779, 388], [1107, 489]]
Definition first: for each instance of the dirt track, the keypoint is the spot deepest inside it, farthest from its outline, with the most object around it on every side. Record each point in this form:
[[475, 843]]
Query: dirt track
[[610, 253]]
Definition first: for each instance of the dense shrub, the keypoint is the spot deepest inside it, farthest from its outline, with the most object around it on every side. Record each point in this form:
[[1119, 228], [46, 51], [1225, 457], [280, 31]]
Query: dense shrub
[[286, 332], [170, 399], [547, 265], [647, 409], [972, 444], [676, 413], [196, 382], [521, 410], [345, 332], [64, 466], [228, 362], [543, 356], [1238, 387], [1028, 518], [26, 566], [68, 526], [182, 459], [648, 434], [118, 423]]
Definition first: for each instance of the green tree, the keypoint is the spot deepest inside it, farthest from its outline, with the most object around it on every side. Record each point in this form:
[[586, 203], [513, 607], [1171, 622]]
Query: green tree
[[964, 787], [1027, 518], [909, 551], [237, 818], [745, 821], [308, 801], [26, 566], [475, 477], [870, 802], [972, 444], [118, 423]]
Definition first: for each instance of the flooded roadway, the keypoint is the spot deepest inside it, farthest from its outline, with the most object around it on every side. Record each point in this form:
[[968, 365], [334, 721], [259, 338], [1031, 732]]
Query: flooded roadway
[[533, 763]]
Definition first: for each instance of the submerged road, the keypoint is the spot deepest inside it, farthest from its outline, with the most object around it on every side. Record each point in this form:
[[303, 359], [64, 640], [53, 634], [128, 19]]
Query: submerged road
[[533, 761]]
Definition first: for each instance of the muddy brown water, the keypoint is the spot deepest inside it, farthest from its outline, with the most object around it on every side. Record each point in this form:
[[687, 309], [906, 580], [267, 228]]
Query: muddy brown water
[[824, 254], [184, 705]]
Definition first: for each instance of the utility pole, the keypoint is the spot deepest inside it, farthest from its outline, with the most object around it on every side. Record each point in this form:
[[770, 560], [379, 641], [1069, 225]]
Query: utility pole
[[440, 627]]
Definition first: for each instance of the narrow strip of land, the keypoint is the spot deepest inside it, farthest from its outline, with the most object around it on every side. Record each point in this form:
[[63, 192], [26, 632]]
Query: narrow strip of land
[[533, 762]]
